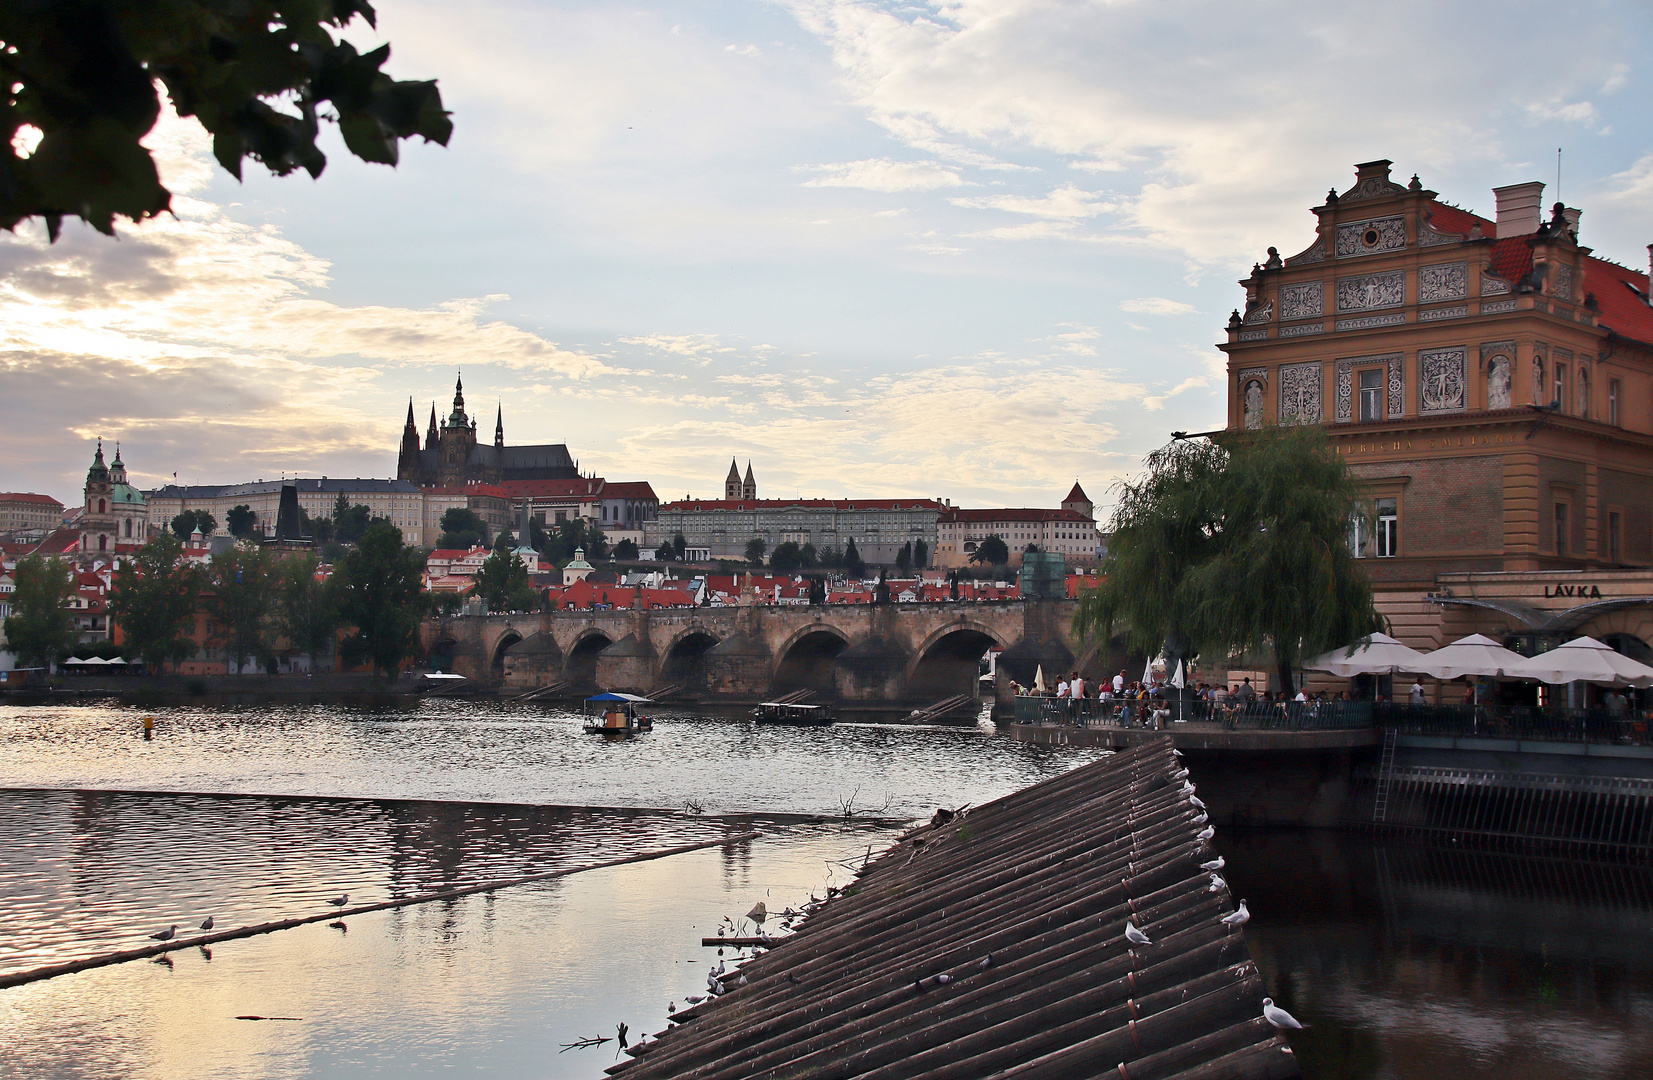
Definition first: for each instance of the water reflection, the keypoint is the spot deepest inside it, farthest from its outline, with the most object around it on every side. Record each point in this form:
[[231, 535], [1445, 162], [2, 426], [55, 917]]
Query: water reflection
[[1417, 961]]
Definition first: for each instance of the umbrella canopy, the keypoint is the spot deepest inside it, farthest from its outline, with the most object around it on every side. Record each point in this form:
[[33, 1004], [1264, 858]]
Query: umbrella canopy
[[1476, 654], [1039, 679], [1177, 680], [1583, 660], [1377, 654]]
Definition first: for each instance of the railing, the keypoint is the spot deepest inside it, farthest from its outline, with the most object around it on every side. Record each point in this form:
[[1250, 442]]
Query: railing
[[1623, 728], [1236, 716]]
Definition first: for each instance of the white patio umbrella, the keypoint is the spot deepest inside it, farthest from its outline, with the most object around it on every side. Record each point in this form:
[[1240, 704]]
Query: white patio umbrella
[[1476, 654], [1039, 678], [1378, 654], [1583, 659]]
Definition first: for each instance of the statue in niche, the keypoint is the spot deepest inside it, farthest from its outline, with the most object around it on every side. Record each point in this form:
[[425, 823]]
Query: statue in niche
[[1498, 383], [1538, 381], [1253, 398]]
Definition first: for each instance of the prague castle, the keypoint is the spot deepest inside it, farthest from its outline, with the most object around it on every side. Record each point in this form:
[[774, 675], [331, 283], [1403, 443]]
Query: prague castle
[[453, 458]]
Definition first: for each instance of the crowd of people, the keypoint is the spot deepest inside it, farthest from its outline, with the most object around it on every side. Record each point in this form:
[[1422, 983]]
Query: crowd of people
[[1152, 702]]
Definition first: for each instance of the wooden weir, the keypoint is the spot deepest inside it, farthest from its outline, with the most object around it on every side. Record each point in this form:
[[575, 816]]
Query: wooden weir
[[993, 945]]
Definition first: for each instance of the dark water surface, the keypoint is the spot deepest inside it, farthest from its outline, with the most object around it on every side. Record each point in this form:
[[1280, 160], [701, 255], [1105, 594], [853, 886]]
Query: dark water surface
[[1408, 961]]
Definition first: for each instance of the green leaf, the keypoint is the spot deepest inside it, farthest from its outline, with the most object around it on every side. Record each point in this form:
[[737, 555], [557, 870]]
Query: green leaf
[[367, 139]]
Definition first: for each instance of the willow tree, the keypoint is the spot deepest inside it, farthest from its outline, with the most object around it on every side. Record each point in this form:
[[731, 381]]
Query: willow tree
[[1233, 547]]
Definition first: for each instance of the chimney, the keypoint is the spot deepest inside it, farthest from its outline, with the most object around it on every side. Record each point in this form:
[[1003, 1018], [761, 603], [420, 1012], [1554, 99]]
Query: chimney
[[1519, 208], [1572, 213]]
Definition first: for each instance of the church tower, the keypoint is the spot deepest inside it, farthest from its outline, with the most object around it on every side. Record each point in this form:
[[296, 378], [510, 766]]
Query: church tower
[[458, 440], [97, 524], [499, 427], [749, 489], [407, 461], [731, 484], [1078, 501], [433, 437]]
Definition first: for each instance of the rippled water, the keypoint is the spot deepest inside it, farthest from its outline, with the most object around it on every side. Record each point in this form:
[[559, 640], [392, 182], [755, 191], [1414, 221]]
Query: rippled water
[[1409, 962]]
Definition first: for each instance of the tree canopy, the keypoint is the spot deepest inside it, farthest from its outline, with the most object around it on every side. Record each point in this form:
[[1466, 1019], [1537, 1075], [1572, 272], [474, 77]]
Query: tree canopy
[[462, 528], [187, 522], [239, 595], [381, 594], [755, 548], [992, 552], [153, 601], [502, 582], [241, 521], [41, 628], [78, 82], [306, 608], [1235, 547]]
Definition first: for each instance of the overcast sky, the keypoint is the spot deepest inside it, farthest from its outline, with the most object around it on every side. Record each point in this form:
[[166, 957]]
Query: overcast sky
[[974, 250]]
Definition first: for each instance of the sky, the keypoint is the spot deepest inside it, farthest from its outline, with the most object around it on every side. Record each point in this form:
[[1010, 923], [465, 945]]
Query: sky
[[971, 250]]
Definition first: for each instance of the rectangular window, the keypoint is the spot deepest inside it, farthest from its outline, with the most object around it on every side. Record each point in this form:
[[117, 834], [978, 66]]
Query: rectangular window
[[1614, 531], [1388, 529], [1371, 395], [1561, 528], [1614, 389], [1560, 398]]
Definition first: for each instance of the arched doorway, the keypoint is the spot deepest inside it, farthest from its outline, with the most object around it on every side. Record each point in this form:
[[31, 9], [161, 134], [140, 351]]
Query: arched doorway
[[811, 663]]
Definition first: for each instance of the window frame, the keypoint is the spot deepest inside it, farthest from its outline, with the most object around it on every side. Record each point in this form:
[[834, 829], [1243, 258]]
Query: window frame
[[1615, 391], [1373, 393]]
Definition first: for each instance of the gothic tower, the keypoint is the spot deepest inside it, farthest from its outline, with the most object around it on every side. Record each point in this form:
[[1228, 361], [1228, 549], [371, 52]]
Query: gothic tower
[[749, 489], [407, 461], [499, 428], [458, 440], [731, 485]]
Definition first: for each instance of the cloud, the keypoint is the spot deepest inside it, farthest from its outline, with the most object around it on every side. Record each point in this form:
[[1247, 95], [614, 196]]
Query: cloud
[[882, 174], [1567, 112], [1156, 402], [1065, 203], [1157, 305]]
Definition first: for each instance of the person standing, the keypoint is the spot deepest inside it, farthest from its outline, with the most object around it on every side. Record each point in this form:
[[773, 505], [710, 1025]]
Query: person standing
[[1415, 696], [1119, 684]]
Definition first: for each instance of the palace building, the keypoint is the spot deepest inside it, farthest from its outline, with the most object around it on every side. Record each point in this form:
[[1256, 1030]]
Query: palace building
[[1492, 383], [452, 457]]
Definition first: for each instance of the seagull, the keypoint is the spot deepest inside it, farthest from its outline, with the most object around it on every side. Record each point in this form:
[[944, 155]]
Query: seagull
[[1188, 787], [986, 961], [1204, 835], [1135, 936], [165, 935], [1217, 883], [943, 979], [742, 980], [1237, 918], [671, 1007], [206, 924], [694, 999], [341, 900], [1197, 801], [1279, 1017], [1215, 864]]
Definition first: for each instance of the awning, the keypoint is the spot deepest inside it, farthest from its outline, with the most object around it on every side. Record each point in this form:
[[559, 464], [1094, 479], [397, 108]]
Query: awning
[[1583, 660], [1376, 654]]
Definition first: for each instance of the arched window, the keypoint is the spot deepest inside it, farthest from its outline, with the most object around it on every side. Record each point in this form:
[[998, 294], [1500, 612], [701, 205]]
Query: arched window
[[103, 542], [129, 528], [100, 506]]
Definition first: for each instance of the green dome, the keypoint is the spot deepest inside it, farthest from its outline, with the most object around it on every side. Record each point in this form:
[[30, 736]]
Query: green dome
[[127, 494]]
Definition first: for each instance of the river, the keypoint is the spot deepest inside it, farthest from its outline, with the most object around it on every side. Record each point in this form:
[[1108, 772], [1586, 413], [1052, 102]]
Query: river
[[1406, 960]]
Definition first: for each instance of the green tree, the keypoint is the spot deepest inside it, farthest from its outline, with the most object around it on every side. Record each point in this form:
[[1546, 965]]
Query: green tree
[[665, 552], [83, 73], [626, 549], [318, 529], [502, 583], [680, 546], [807, 556], [1228, 548], [350, 522], [853, 564], [381, 596], [153, 601], [241, 522], [921, 555], [190, 520], [239, 595], [755, 548], [306, 609], [41, 627], [786, 557], [904, 559], [992, 552], [462, 528]]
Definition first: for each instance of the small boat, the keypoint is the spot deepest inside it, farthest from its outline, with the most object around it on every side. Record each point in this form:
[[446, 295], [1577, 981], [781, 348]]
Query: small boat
[[616, 714], [782, 712]]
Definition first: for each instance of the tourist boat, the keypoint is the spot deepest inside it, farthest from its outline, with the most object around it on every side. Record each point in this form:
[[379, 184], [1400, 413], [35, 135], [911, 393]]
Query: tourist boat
[[616, 714], [782, 712]]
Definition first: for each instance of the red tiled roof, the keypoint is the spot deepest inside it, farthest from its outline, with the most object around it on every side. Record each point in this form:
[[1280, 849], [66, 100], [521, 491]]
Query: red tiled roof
[[806, 504], [1511, 258], [29, 497], [629, 489], [1452, 219], [493, 490], [1077, 494], [552, 489], [1621, 294]]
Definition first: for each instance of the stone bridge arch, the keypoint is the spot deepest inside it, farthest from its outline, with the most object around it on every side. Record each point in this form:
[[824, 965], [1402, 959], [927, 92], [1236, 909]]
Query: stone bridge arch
[[683, 660], [948, 660], [579, 667], [808, 659]]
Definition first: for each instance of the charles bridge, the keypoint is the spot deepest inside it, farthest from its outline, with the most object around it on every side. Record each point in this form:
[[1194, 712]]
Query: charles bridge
[[876, 654]]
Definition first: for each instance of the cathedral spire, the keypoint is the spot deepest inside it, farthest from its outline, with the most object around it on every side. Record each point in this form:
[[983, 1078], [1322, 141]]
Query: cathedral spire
[[499, 426], [412, 424], [457, 418]]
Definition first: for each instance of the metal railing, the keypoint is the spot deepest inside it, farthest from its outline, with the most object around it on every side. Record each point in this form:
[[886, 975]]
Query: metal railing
[[1524, 722], [1161, 712]]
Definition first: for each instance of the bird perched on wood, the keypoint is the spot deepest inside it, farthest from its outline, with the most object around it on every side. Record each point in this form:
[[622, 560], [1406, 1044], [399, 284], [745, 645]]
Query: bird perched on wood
[[1237, 918], [742, 980], [1195, 800], [986, 961], [1215, 864], [1217, 883], [1204, 835], [694, 999], [1135, 936], [206, 924], [167, 934], [671, 1007], [341, 900], [943, 979], [1279, 1017]]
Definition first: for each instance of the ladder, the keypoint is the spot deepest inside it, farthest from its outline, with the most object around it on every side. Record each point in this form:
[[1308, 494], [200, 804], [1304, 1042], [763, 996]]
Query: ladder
[[1386, 769]]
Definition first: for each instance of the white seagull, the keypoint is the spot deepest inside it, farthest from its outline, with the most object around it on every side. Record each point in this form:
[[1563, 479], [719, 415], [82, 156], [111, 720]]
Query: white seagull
[[1214, 864], [1135, 936], [206, 924], [165, 935], [1204, 835], [1217, 883], [1197, 801], [1238, 917], [1279, 1017]]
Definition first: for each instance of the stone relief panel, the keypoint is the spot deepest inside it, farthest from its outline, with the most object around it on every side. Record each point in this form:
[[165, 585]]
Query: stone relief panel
[[1429, 237], [1368, 292], [1367, 322], [1300, 393], [1302, 329], [1443, 380], [1253, 335], [1316, 253], [1498, 382], [1262, 313], [1564, 282], [1395, 363], [1306, 300], [1447, 281], [1371, 237], [1538, 397], [1373, 187], [1253, 388], [1496, 307], [1493, 286], [1457, 311]]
